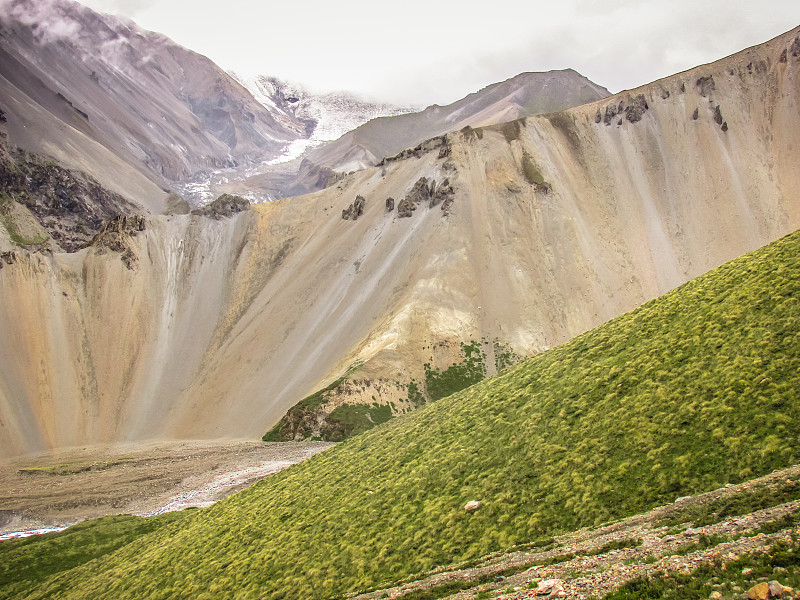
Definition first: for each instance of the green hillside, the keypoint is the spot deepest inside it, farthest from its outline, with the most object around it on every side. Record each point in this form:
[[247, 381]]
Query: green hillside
[[688, 392]]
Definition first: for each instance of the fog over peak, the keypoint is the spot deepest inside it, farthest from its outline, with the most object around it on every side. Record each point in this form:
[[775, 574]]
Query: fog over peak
[[428, 53]]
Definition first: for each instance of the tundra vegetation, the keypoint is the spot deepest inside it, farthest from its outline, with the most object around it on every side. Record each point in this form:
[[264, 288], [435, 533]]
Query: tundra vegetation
[[690, 391]]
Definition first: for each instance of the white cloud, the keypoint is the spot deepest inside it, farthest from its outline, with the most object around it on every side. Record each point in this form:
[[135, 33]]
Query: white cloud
[[425, 51]]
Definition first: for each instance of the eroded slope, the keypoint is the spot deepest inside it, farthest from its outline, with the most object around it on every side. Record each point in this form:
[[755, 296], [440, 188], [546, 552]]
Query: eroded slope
[[520, 237]]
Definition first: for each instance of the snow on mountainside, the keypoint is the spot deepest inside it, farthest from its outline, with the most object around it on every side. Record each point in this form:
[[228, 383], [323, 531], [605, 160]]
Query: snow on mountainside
[[327, 116]]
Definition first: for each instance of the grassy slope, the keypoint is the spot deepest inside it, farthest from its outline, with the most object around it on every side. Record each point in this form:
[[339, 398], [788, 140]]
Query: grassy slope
[[28, 562], [686, 393]]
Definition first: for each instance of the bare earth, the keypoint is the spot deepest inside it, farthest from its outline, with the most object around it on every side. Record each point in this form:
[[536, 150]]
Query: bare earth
[[60, 488]]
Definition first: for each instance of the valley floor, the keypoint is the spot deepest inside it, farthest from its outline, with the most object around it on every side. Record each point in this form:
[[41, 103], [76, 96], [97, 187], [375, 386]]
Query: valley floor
[[60, 488]]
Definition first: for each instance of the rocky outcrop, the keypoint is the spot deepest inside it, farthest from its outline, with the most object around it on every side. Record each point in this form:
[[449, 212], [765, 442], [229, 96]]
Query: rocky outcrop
[[419, 150], [355, 210], [115, 236], [635, 110], [631, 108], [226, 205], [426, 190], [705, 85], [389, 204], [406, 207], [444, 195], [70, 206]]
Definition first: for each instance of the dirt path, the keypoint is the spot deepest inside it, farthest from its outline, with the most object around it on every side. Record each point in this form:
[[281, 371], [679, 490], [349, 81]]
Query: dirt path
[[60, 488]]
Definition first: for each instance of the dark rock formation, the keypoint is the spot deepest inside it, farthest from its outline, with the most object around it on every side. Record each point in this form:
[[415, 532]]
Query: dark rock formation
[[795, 47], [115, 236], [664, 93], [8, 258], [70, 205], [469, 133], [717, 115], [441, 193], [724, 126], [426, 190], [705, 85], [598, 116], [419, 150], [405, 208], [696, 114], [611, 112], [389, 204], [355, 210], [636, 109], [226, 205], [783, 56]]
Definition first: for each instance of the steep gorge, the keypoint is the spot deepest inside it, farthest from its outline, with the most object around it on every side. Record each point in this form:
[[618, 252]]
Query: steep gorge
[[556, 223]]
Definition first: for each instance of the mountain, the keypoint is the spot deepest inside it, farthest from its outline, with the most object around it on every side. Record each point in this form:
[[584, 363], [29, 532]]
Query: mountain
[[328, 116], [691, 392], [517, 237], [365, 145], [104, 96], [521, 96]]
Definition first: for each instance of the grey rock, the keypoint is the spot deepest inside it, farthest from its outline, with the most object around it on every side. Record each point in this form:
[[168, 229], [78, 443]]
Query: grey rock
[[636, 109], [355, 210], [705, 85]]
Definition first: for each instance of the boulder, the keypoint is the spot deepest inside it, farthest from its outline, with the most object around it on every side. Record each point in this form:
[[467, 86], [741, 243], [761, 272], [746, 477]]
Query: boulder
[[406, 207], [636, 109], [759, 592], [355, 210], [472, 506], [389, 204], [550, 587]]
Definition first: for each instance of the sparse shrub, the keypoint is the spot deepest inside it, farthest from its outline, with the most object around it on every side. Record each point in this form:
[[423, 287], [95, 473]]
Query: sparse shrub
[[531, 171]]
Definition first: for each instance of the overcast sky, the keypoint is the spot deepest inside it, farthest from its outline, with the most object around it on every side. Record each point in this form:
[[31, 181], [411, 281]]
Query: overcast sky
[[430, 51]]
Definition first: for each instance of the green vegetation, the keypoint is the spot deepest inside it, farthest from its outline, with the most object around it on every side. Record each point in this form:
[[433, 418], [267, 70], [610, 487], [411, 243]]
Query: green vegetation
[[725, 577], [285, 429], [352, 419], [512, 129], [27, 563], [458, 376], [531, 171], [504, 356], [10, 225], [688, 392]]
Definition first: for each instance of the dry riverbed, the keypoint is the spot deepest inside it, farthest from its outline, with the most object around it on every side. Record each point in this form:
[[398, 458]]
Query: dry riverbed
[[63, 487]]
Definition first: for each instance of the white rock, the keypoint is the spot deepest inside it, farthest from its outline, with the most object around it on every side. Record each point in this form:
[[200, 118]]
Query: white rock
[[472, 505]]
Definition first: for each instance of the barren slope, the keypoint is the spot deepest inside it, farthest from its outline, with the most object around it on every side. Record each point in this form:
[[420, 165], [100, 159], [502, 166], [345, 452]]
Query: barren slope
[[103, 95], [223, 325]]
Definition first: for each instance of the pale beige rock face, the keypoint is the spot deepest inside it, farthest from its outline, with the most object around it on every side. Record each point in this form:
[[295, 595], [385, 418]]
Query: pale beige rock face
[[223, 325]]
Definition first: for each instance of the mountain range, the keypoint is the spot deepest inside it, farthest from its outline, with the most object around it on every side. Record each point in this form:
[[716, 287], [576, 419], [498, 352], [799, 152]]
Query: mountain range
[[449, 259]]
